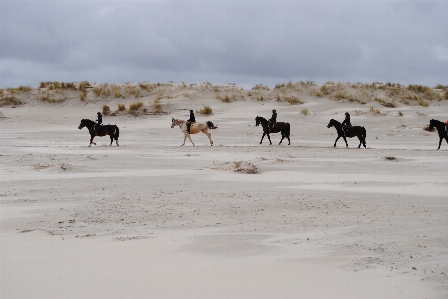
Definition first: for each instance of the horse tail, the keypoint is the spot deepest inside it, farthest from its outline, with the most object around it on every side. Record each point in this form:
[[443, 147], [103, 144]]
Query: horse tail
[[117, 133], [288, 130], [364, 133], [210, 125]]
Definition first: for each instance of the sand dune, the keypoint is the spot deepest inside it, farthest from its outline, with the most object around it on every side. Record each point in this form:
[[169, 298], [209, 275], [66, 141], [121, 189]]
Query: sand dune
[[152, 219]]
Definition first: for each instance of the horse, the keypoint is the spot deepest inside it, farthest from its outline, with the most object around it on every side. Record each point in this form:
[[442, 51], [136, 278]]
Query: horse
[[111, 130], [357, 131], [282, 127], [195, 128], [441, 129]]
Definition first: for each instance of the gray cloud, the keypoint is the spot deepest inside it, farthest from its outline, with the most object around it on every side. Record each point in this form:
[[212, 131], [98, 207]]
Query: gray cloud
[[242, 42]]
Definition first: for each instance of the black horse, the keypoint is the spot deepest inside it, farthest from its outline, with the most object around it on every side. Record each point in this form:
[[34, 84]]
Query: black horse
[[440, 126], [357, 131], [111, 130], [282, 127]]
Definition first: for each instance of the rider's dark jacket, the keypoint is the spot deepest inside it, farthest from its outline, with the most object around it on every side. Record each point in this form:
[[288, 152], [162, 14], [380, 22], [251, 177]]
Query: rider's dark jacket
[[347, 121], [273, 118], [100, 119], [192, 118]]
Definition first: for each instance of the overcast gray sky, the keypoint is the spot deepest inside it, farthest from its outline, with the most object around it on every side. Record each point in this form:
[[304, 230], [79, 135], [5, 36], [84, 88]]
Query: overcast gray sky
[[242, 42]]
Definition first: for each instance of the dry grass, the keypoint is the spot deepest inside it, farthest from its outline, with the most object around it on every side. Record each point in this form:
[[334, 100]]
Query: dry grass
[[102, 90], [385, 103], [293, 100], [7, 100], [121, 107], [51, 98], [83, 85], [156, 106], [400, 113], [206, 110], [83, 95], [131, 89], [426, 128], [304, 111], [225, 98], [374, 111], [135, 106], [146, 86], [117, 91], [106, 110]]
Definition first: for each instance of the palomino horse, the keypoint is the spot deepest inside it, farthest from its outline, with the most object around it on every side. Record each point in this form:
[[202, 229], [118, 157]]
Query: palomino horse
[[194, 128], [357, 131], [111, 130], [282, 127], [440, 126]]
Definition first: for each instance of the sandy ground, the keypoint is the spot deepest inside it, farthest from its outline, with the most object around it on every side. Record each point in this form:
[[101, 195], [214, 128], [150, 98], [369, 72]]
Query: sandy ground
[[151, 219]]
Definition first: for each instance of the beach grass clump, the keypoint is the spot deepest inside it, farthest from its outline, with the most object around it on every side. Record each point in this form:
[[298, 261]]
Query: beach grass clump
[[400, 113], [102, 90], [106, 110], [121, 107], [132, 89], [206, 110], [146, 86], [304, 111], [445, 94], [225, 98], [9, 100], [50, 98], [83, 96], [293, 100], [83, 85], [156, 106], [385, 103], [135, 106], [374, 111], [117, 91]]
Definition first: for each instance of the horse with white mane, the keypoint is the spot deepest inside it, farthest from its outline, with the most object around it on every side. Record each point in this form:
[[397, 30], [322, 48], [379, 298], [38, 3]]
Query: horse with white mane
[[195, 127]]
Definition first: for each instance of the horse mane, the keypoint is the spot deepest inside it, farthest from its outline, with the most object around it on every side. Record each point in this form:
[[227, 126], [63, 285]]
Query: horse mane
[[261, 117], [437, 122]]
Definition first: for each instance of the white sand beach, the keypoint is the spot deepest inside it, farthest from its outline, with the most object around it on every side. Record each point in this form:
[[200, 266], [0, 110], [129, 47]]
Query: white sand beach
[[153, 219]]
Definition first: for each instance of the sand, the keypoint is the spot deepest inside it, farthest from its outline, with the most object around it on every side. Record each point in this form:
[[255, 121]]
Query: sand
[[152, 219]]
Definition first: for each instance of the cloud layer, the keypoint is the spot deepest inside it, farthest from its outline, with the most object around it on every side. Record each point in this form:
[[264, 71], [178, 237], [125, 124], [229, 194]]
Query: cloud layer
[[242, 42]]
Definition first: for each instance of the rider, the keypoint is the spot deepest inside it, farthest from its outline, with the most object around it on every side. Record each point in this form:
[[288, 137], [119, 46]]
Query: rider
[[99, 121], [446, 126], [346, 123], [273, 119], [191, 120]]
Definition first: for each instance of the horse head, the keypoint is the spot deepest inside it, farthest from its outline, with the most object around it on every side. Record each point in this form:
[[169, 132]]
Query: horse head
[[257, 121], [173, 122], [432, 124], [82, 124], [331, 123]]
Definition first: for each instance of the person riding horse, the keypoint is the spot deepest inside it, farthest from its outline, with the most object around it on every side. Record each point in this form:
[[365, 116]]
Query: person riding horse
[[99, 121], [191, 120], [273, 119], [346, 124]]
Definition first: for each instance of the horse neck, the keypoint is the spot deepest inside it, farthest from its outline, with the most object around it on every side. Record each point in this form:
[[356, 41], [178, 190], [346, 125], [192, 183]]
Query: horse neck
[[179, 122], [262, 120], [337, 124], [88, 123]]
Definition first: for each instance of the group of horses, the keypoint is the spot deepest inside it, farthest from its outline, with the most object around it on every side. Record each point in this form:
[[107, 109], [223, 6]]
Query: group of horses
[[279, 127]]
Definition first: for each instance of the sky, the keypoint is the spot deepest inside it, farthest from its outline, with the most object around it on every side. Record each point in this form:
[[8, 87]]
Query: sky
[[223, 42]]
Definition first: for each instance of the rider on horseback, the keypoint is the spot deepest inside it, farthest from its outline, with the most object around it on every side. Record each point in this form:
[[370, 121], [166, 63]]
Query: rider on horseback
[[190, 121], [99, 121], [273, 119], [346, 124]]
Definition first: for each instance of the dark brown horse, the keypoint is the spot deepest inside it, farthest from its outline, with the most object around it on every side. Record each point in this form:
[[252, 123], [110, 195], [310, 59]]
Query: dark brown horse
[[111, 130], [357, 131], [282, 127], [440, 126]]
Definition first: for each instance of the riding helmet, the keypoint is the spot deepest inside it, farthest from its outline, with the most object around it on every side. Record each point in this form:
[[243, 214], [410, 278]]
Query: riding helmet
[[99, 113], [346, 113], [273, 110]]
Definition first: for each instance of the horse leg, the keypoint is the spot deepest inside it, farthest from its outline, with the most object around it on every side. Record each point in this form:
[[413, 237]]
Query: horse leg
[[91, 140], [289, 141], [283, 136], [360, 141], [262, 137], [209, 137], [269, 137], [189, 137], [440, 142], [345, 139], [111, 139], [336, 140]]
